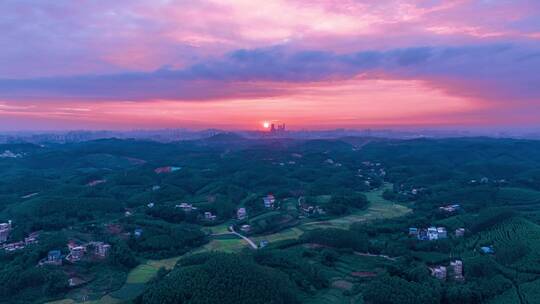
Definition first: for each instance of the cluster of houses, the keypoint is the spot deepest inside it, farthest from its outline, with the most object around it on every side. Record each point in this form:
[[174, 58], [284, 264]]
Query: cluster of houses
[[441, 272], [5, 230], [269, 202], [409, 191], [370, 172], [309, 210], [9, 154], [32, 238], [428, 234], [433, 233], [76, 253]]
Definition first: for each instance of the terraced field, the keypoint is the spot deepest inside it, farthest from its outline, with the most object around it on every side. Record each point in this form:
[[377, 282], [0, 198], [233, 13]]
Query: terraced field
[[342, 279], [531, 292], [508, 297], [510, 232]]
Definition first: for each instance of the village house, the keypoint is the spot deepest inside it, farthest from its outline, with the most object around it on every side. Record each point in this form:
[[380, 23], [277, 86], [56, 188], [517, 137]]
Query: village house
[[209, 216], [186, 207], [76, 253], [460, 232], [487, 249], [263, 243], [241, 213], [429, 234], [13, 246], [150, 205], [442, 234], [457, 270], [5, 229], [32, 238], [245, 228], [54, 257], [101, 249], [439, 272], [450, 208], [432, 233], [310, 209], [137, 232], [269, 201]]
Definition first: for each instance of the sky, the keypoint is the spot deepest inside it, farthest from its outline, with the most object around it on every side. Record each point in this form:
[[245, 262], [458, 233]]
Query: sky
[[234, 64]]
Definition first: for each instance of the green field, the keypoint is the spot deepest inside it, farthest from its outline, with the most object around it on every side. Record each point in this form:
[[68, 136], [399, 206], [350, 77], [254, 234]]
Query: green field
[[291, 233], [379, 208], [224, 245]]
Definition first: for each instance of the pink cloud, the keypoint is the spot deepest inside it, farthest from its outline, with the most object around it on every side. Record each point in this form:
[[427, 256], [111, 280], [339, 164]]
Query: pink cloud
[[166, 55]]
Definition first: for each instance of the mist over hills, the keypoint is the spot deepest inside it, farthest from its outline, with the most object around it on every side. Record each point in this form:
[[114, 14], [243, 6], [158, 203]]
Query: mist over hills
[[216, 135]]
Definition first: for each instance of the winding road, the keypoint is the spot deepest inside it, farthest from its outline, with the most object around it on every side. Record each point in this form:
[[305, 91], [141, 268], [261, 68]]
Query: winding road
[[245, 238]]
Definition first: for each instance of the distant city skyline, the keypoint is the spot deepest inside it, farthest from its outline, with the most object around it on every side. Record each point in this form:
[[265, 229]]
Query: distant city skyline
[[317, 65]]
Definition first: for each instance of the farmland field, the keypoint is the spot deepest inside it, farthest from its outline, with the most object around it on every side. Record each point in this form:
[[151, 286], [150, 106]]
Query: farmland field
[[379, 208], [511, 232]]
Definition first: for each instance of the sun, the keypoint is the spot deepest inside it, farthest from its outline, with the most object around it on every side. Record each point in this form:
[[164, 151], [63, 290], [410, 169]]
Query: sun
[[266, 124]]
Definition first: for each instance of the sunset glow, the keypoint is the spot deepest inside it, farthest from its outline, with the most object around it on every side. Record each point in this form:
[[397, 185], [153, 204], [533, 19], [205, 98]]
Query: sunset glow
[[317, 64]]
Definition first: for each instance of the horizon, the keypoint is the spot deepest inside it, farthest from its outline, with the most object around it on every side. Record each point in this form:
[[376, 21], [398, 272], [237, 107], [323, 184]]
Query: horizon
[[235, 65]]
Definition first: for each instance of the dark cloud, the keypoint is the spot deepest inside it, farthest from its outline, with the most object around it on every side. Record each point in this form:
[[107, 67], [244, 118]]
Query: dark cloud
[[488, 71]]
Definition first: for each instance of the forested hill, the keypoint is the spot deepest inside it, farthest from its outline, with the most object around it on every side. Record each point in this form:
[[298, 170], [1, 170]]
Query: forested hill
[[330, 220]]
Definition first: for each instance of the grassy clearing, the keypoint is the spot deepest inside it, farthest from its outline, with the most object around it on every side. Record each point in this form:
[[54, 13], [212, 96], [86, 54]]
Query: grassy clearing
[[223, 228], [228, 245], [291, 233], [379, 208]]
